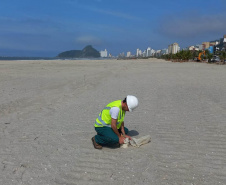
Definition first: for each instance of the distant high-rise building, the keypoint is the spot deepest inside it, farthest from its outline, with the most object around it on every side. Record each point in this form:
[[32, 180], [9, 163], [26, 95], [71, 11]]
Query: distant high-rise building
[[173, 48], [193, 48], [122, 54], [158, 53], [164, 51], [128, 54], [139, 52], [144, 53], [152, 52], [148, 52], [199, 46], [170, 48], [205, 45], [215, 42], [222, 45], [104, 53]]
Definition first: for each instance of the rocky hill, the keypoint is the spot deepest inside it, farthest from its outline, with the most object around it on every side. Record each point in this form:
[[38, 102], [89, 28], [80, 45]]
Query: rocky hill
[[87, 52]]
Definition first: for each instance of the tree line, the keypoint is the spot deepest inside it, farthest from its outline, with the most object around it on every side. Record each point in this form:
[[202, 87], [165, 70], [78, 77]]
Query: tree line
[[187, 55]]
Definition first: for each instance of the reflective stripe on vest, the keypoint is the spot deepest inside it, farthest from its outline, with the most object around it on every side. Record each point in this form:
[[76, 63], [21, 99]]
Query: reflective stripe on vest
[[102, 121], [104, 118]]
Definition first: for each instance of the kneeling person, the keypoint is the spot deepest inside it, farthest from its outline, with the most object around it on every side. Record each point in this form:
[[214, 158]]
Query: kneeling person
[[110, 123]]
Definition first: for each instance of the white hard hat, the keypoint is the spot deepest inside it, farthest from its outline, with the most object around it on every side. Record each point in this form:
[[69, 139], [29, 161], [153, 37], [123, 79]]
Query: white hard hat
[[132, 102]]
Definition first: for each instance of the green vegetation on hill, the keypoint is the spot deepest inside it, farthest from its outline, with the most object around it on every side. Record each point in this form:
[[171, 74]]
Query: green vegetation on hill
[[70, 54], [87, 52]]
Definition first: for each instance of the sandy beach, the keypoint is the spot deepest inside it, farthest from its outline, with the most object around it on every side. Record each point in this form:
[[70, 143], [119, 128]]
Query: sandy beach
[[48, 109]]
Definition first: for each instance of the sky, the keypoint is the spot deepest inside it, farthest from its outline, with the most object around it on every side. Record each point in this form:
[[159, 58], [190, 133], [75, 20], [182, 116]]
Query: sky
[[44, 28]]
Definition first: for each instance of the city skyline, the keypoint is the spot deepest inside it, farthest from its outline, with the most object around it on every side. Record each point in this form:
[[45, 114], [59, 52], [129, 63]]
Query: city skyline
[[34, 28], [216, 44]]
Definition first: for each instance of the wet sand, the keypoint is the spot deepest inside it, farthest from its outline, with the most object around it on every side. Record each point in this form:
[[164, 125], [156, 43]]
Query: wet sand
[[48, 108]]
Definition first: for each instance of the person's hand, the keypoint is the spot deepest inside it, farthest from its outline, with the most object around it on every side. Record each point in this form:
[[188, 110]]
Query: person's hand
[[121, 140], [128, 137]]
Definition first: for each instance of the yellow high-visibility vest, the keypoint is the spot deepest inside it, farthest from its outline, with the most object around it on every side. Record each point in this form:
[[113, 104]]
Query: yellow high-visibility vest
[[104, 118]]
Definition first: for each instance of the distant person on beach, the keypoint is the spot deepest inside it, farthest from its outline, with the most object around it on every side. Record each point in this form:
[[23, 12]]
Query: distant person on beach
[[110, 123]]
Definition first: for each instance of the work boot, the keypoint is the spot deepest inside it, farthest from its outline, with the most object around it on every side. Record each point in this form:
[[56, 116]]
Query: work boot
[[95, 144]]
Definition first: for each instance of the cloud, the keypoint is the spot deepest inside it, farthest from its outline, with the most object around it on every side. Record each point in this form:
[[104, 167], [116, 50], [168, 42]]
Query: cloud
[[5, 19], [87, 40], [31, 34], [192, 25], [113, 13], [26, 25]]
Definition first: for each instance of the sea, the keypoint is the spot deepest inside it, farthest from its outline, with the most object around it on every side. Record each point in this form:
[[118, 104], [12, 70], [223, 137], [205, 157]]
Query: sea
[[50, 58]]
